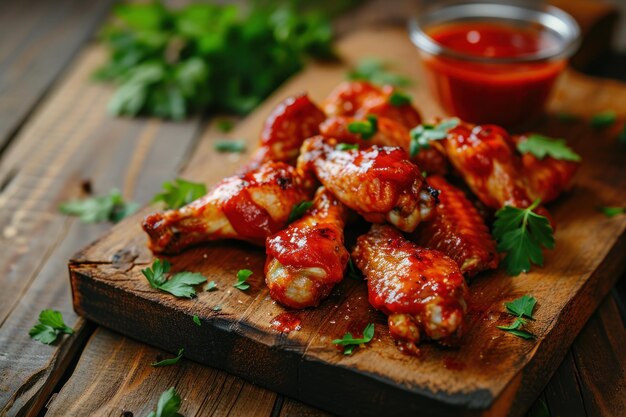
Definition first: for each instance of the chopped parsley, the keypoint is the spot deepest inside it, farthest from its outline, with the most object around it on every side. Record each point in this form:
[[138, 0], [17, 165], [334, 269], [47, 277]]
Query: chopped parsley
[[398, 99], [378, 72], [232, 145], [350, 343], [196, 320], [181, 284], [242, 277], [521, 234], [298, 210], [179, 193], [210, 286], [225, 125], [602, 120], [422, 135], [110, 207], [364, 128], [49, 327], [346, 146], [170, 361], [520, 308], [168, 405], [612, 211], [542, 146]]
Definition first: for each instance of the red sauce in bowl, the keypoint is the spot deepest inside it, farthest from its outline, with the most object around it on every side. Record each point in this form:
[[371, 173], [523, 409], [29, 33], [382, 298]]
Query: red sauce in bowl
[[483, 90]]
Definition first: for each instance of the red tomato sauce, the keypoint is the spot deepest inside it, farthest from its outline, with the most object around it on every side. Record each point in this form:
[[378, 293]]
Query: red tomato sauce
[[507, 94]]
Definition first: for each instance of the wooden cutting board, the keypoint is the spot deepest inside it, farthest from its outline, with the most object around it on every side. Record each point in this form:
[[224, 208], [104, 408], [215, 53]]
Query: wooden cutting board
[[492, 373]]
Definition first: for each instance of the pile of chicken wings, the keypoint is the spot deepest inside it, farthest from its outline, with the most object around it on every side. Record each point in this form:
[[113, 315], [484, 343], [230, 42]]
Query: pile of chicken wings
[[427, 236]]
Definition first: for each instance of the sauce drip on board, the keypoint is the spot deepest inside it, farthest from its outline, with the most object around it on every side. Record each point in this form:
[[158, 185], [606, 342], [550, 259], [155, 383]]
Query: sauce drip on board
[[286, 323]]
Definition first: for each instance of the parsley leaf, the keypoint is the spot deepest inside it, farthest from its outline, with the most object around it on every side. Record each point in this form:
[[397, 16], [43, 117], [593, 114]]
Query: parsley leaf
[[346, 146], [298, 210], [365, 128], [211, 286], [242, 276], [234, 146], [217, 308], [225, 125], [350, 343], [398, 99], [180, 284], [196, 320], [522, 234], [377, 72], [180, 193], [540, 146], [171, 361], [422, 135], [612, 211], [168, 405], [110, 207], [49, 327], [602, 120], [522, 306]]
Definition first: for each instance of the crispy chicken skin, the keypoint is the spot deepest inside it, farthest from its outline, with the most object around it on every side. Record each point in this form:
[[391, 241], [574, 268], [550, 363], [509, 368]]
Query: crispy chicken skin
[[457, 230], [289, 124], [545, 178], [308, 258], [379, 183], [421, 290], [247, 207]]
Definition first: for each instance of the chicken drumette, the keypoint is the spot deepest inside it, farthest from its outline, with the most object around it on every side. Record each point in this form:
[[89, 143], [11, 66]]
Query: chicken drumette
[[247, 207], [307, 259], [421, 290]]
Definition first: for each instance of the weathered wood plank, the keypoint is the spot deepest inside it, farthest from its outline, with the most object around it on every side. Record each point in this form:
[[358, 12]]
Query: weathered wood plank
[[114, 376], [579, 272], [38, 40], [70, 139]]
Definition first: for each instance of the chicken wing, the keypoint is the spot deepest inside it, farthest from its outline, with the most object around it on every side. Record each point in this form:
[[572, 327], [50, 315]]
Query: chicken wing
[[348, 97], [457, 230], [247, 207], [421, 290], [379, 183], [291, 122], [307, 259]]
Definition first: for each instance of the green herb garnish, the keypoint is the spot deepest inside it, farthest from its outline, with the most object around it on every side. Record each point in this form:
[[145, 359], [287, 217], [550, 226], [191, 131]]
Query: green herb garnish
[[211, 286], [49, 327], [602, 120], [242, 276], [196, 320], [542, 146], [522, 234], [350, 343], [170, 62], [364, 128], [180, 193], [399, 99], [353, 271], [346, 146], [170, 361], [111, 207], [298, 210], [225, 125], [422, 135], [217, 308], [233, 146], [612, 211], [521, 307], [180, 284], [376, 71], [168, 405]]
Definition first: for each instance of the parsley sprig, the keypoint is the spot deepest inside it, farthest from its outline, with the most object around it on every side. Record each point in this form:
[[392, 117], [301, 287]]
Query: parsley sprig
[[180, 284], [520, 308], [522, 234], [170, 361], [612, 211], [242, 277], [602, 120], [168, 405], [298, 210], [422, 135], [346, 146], [110, 207], [378, 72], [179, 193], [350, 343], [364, 128], [398, 99], [49, 327], [230, 145], [542, 146]]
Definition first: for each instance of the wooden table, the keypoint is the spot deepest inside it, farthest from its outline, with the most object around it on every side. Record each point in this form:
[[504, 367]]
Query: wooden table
[[54, 136]]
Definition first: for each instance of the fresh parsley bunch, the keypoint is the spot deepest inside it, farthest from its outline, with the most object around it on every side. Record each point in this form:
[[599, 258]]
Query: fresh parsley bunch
[[171, 62]]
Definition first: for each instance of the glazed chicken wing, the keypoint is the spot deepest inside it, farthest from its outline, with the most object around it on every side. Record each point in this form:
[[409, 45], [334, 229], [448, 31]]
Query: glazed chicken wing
[[307, 259], [421, 290], [457, 230], [247, 207], [379, 183], [291, 122]]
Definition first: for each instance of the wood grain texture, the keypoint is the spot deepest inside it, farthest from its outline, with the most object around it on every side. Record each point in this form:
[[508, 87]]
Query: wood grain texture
[[39, 38], [498, 370], [70, 139], [114, 376]]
